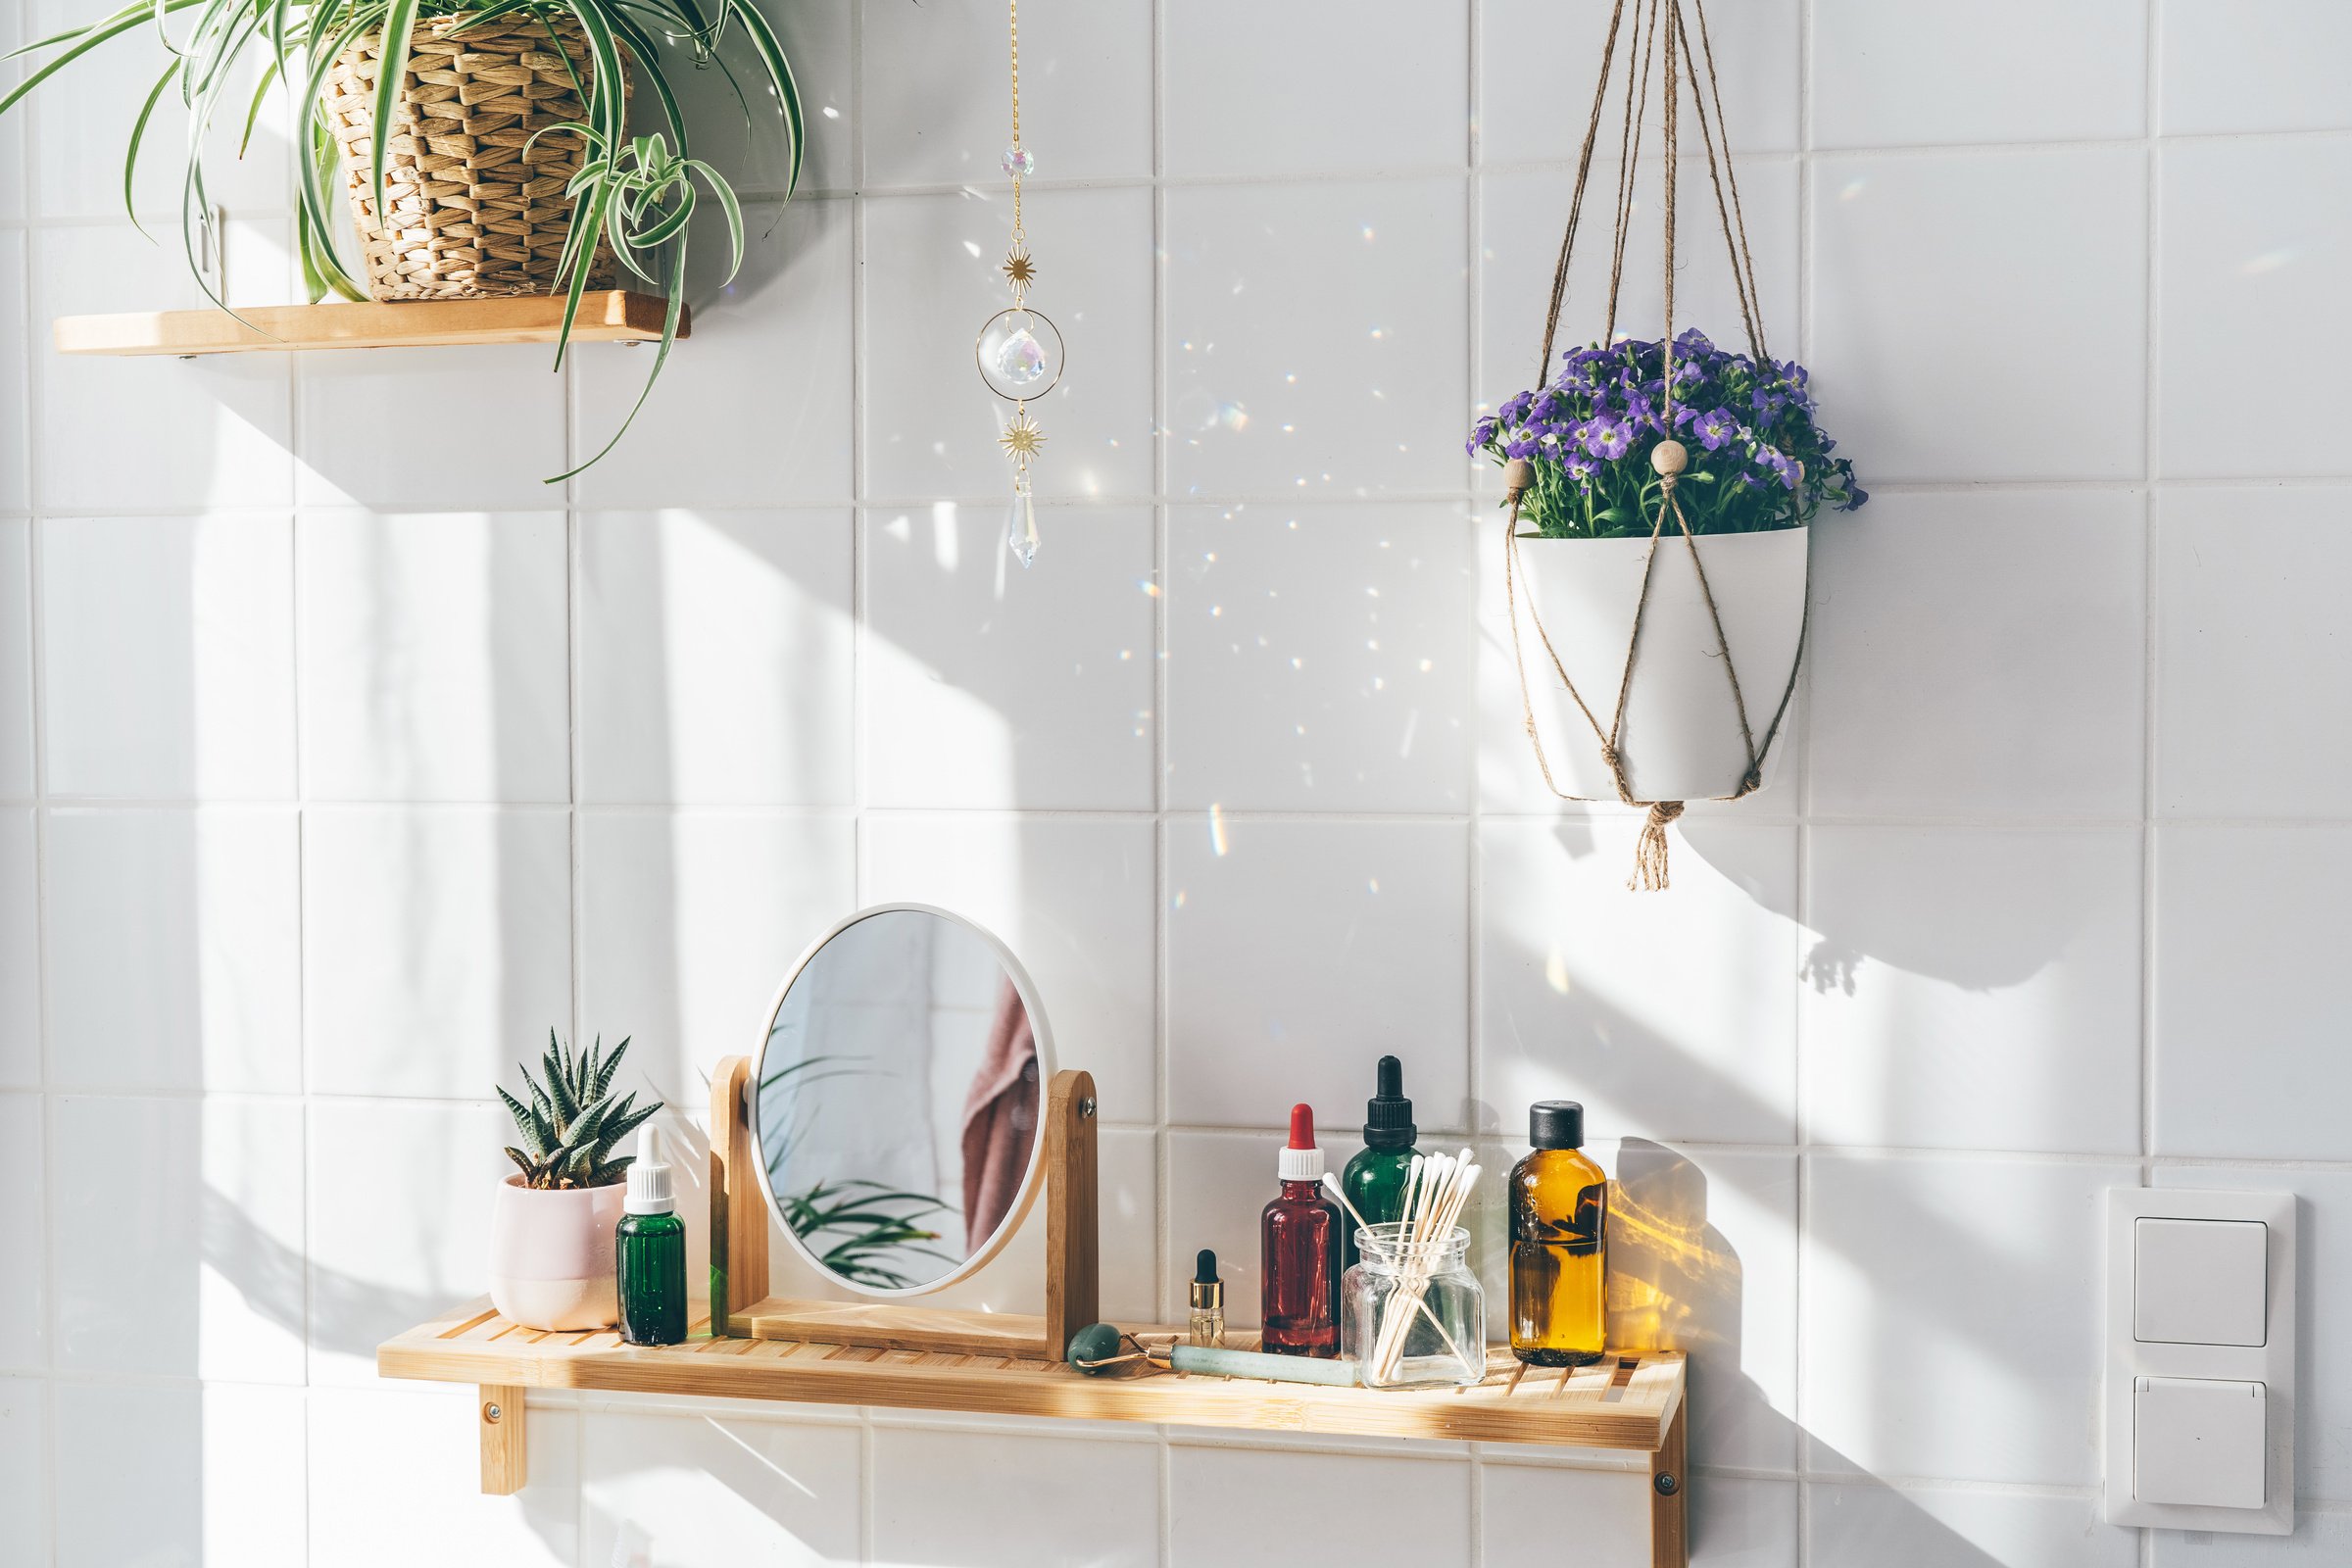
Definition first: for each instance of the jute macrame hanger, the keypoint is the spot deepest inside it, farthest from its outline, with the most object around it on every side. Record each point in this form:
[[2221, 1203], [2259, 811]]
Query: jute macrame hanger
[[1669, 37]]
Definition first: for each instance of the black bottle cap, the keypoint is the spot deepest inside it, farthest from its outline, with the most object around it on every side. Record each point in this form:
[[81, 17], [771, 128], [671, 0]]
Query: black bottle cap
[[1388, 1114], [1207, 1292], [1555, 1124]]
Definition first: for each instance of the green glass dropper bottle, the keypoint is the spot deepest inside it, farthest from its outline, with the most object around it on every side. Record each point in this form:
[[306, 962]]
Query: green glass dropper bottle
[[1374, 1180], [650, 1253]]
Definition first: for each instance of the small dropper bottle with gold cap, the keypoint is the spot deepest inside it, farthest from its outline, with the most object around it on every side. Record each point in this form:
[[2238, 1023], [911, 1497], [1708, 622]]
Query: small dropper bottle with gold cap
[[1208, 1303]]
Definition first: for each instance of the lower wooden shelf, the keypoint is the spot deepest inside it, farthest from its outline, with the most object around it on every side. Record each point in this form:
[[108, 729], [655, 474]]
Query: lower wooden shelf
[[1633, 1401], [607, 316]]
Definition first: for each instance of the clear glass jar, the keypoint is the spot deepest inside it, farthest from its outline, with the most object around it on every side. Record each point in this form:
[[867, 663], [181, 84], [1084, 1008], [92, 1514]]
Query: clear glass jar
[[1411, 1313]]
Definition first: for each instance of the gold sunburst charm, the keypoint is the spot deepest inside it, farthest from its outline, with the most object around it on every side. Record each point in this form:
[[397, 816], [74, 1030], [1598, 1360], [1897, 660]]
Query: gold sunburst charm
[[1022, 438], [1019, 270]]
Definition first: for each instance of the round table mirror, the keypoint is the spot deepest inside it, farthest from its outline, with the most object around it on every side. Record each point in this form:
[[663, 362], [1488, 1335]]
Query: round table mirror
[[896, 1100]]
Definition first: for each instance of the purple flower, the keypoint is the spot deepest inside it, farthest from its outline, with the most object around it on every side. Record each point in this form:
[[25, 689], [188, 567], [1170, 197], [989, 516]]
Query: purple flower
[[1750, 423]]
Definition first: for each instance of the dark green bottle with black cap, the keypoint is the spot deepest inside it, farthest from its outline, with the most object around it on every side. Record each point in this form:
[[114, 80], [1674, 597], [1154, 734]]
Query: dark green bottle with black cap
[[1374, 1180]]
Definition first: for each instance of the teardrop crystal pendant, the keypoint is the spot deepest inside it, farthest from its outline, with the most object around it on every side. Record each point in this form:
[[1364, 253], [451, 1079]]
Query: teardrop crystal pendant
[[1021, 358], [1020, 522]]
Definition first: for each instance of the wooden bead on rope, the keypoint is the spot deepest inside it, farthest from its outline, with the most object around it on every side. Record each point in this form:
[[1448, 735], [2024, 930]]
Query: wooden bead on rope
[[1518, 477], [1669, 458]]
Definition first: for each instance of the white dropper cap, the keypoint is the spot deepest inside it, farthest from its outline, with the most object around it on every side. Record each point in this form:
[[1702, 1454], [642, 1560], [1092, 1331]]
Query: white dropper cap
[[649, 1179]]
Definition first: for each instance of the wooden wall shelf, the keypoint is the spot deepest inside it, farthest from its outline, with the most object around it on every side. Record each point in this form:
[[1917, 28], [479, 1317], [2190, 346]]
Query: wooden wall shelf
[[1632, 1401], [607, 316]]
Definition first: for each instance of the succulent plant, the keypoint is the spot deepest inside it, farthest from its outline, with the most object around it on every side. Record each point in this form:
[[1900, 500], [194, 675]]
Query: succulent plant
[[572, 1124]]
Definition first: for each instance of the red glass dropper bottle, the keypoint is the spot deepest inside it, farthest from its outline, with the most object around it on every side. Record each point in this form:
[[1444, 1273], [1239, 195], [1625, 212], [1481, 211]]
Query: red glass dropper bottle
[[1301, 1252]]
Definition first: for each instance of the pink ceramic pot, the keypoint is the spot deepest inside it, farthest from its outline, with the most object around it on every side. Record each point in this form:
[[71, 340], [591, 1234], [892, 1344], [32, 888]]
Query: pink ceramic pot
[[551, 1255]]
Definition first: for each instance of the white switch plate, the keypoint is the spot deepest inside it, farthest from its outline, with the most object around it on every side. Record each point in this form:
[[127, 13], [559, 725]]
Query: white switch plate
[[2198, 1441], [2200, 1282], [2201, 1401]]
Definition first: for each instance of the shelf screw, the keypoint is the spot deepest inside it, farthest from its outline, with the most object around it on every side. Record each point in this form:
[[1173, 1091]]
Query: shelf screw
[[1086, 1108], [490, 1413], [1667, 1484]]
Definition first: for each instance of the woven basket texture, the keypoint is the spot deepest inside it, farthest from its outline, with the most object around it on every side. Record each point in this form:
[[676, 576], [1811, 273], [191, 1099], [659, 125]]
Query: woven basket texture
[[473, 215]]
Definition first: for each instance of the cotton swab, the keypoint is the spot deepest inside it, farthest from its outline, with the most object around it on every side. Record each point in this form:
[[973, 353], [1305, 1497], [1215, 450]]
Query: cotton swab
[[1437, 1188], [1332, 1182]]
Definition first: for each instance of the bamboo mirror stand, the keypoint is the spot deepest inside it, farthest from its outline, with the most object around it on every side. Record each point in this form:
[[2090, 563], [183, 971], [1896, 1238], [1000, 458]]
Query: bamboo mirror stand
[[740, 1306]]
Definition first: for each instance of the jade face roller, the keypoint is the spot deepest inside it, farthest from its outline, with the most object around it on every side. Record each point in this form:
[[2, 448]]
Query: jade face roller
[[1094, 1350]]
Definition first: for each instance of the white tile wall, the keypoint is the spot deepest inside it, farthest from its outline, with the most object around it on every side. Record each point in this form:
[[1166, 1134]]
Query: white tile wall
[[432, 658], [1243, 1505], [1894, 76], [167, 656], [340, 757], [205, 908], [714, 656], [699, 1488], [1316, 659], [2252, 907], [20, 953], [1915, 259], [1861, 1525]]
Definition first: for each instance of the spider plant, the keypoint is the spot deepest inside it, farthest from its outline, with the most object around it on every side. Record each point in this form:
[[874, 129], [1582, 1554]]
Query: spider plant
[[636, 193]]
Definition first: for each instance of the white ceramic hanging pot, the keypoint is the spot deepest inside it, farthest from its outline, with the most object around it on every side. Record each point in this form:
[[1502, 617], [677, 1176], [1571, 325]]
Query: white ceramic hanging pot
[[551, 1255], [1681, 738]]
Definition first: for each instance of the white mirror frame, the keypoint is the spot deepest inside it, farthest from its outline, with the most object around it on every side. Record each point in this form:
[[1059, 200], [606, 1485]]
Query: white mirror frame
[[1031, 1179]]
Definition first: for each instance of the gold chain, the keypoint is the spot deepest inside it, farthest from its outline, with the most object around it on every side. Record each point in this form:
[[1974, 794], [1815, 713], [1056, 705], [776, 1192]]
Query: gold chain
[[1014, 7]]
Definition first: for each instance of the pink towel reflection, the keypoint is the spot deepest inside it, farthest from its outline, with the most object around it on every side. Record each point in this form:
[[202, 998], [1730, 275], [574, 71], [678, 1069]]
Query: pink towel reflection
[[1000, 1121]]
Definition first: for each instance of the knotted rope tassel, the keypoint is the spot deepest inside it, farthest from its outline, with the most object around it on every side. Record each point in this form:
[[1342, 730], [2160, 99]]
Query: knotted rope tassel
[[1649, 853]]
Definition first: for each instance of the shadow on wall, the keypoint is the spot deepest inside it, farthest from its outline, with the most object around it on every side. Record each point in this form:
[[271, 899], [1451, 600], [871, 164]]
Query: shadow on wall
[[1676, 1281], [1676, 1284]]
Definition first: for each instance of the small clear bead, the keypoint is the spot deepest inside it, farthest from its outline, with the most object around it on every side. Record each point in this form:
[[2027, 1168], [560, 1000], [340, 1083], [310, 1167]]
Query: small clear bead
[[1020, 161]]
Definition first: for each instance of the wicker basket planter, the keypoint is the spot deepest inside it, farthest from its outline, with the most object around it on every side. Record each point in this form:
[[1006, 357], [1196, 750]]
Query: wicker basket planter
[[473, 213]]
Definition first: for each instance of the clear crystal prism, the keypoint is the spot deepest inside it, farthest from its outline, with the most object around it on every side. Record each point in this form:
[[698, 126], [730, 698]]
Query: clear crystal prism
[[1020, 522], [1021, 358]]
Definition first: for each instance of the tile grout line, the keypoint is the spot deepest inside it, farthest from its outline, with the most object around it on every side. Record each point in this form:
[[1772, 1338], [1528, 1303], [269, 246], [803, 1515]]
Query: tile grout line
[[859, 672], [1163, 1157], [1474, 852], [1474, 354], [302, 878], [36, 674], [2151, 93], [1800, 1441], [2151, 545]]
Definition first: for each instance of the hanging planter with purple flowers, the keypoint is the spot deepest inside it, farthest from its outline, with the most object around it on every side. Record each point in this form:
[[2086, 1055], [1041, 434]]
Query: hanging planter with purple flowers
[[1658, 495]]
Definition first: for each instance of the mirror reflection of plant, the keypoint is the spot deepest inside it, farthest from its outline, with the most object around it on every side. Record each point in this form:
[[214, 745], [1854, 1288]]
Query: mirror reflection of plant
[[876, 1225], [572, 1125], [778, 1134], [871, 1219], [298, 41]]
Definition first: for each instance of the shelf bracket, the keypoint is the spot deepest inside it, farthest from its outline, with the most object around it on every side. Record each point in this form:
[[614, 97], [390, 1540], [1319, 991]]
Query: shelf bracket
[[506, 1463], [1669, 1495]]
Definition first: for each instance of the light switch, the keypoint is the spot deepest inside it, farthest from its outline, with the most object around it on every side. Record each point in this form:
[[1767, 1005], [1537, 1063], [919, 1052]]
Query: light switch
[[2198, 1443], [2200, 1282], [2198, 1430]]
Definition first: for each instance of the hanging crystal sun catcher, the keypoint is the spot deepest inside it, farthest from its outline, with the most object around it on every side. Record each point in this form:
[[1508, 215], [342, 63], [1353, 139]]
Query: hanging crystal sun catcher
[[1019, 351]]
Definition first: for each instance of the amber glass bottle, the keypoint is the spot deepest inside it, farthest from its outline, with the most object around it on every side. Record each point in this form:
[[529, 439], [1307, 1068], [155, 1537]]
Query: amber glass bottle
[[1559, 1242]]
